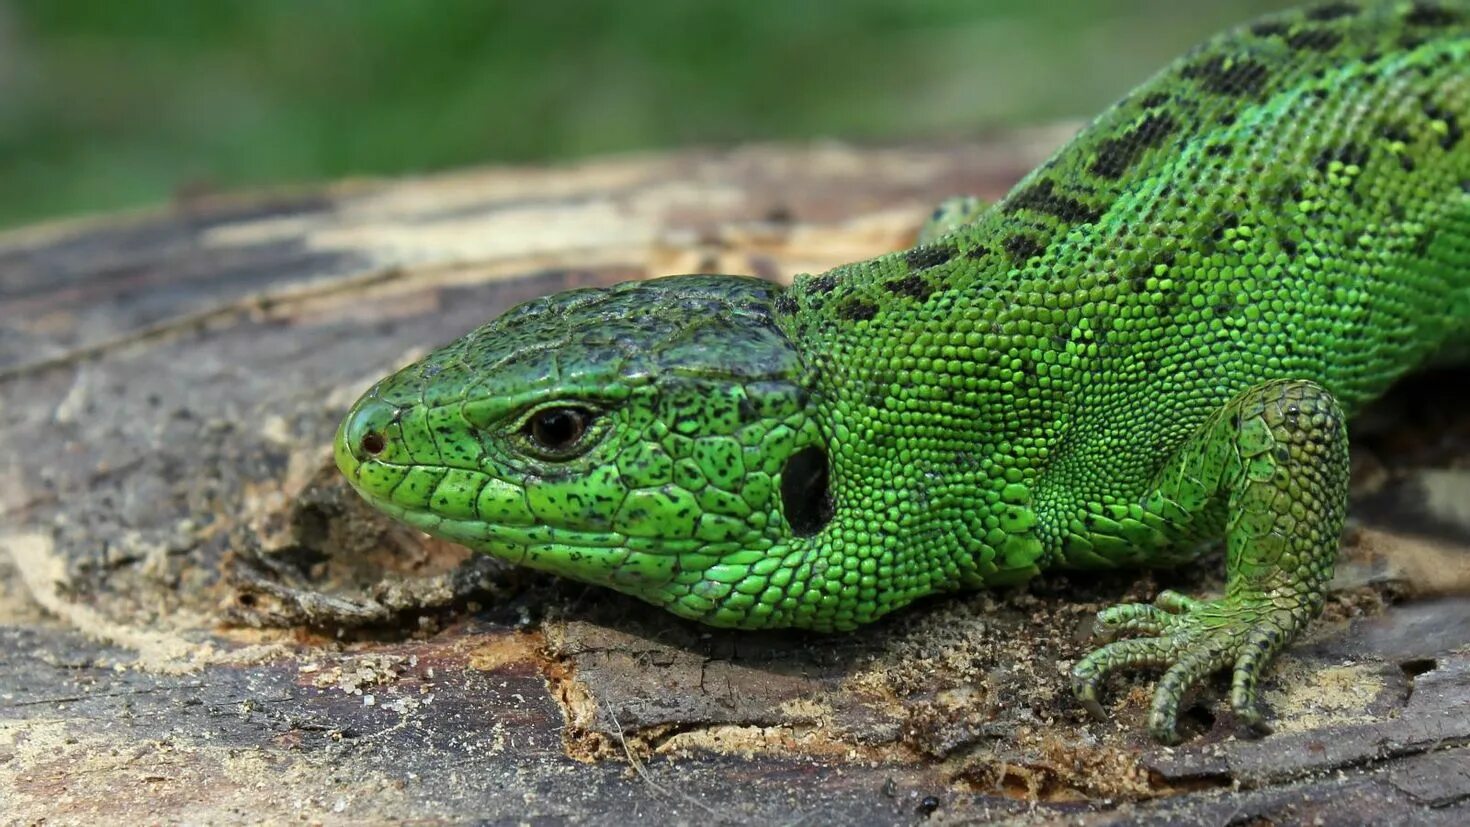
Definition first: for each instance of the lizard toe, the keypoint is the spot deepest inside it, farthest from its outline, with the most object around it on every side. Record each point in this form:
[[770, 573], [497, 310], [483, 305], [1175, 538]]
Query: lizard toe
[[1142, 619], [1192, 639], [1089, 673]]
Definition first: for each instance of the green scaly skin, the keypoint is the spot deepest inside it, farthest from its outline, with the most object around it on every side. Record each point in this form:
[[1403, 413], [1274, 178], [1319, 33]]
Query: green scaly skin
[[1151, 344]]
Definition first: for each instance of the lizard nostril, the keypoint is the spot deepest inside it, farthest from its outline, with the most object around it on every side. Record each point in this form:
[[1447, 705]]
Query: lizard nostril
[[366, 430]]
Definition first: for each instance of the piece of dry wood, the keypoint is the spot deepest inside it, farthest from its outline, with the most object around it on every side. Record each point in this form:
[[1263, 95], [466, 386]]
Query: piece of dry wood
[[199, 621]]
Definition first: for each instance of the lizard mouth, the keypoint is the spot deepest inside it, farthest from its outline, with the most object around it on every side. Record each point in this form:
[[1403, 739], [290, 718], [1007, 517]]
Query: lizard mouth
[[637, 565], [474, 532]]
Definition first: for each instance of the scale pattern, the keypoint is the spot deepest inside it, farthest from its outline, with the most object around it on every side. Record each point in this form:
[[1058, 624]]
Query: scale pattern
[[1150, 345]]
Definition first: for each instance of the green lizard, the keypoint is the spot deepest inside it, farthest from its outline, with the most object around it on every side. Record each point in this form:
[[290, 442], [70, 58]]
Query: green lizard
[[1148, 346]]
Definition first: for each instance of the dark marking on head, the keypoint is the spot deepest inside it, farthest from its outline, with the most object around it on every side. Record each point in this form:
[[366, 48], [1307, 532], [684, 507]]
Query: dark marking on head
[[977, 253], [1218, 150], [806, 495], [1229, 76], [785, 304], [912, 286], [1270, 28], [1424, 13], [922, 258], [1317, 40], [857, 310], [747, 410], [1116, 155], [1042, 197], [1022, 247], [1331, 11]]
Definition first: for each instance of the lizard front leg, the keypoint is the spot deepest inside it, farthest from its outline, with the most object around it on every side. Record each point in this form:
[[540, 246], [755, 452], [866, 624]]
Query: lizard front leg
[[1277, 456]]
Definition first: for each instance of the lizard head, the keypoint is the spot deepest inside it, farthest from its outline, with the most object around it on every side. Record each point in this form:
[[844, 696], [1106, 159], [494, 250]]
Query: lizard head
[[655, 437]]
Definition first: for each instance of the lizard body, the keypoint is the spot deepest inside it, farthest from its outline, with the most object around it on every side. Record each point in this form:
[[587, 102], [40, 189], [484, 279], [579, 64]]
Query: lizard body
[[1151, 344]]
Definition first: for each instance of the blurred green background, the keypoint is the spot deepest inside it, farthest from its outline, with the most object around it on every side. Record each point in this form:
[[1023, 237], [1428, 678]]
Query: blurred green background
[[113, 103]]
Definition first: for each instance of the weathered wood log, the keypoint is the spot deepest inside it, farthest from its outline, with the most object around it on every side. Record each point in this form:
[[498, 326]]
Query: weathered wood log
[[200, 622]]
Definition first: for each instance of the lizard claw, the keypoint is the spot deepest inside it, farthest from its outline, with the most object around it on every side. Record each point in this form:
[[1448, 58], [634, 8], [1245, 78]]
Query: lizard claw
[[1191, 639]]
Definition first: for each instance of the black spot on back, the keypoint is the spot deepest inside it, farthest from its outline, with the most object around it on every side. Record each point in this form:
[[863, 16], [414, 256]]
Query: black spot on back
[[1270, 28], [785, 304], [1235, 77], [857, 310], [1022, 247], [1347, 154], [806, 495], [1395, 132], [1317, 40], [1116, 155], [823, 283], [1421, 245], [1430, 14], [1042, 197], [1409, 41], [1138, 279], [1154, 101], [1228, 221], [1453, 133], [922, 258], [1331, 11], [912, 286]]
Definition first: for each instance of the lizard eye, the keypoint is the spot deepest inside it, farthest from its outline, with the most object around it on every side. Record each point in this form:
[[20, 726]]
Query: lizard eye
[[557, 433]]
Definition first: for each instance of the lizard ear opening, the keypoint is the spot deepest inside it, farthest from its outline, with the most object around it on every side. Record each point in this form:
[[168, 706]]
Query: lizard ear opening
[[806, 495]]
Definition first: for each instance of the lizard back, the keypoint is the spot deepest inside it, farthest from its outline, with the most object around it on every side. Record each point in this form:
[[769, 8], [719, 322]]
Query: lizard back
[[1289, 200]]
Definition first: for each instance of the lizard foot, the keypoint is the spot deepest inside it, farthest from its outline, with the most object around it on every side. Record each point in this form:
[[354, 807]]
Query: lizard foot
[[1192, 639], [1276, 455]]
